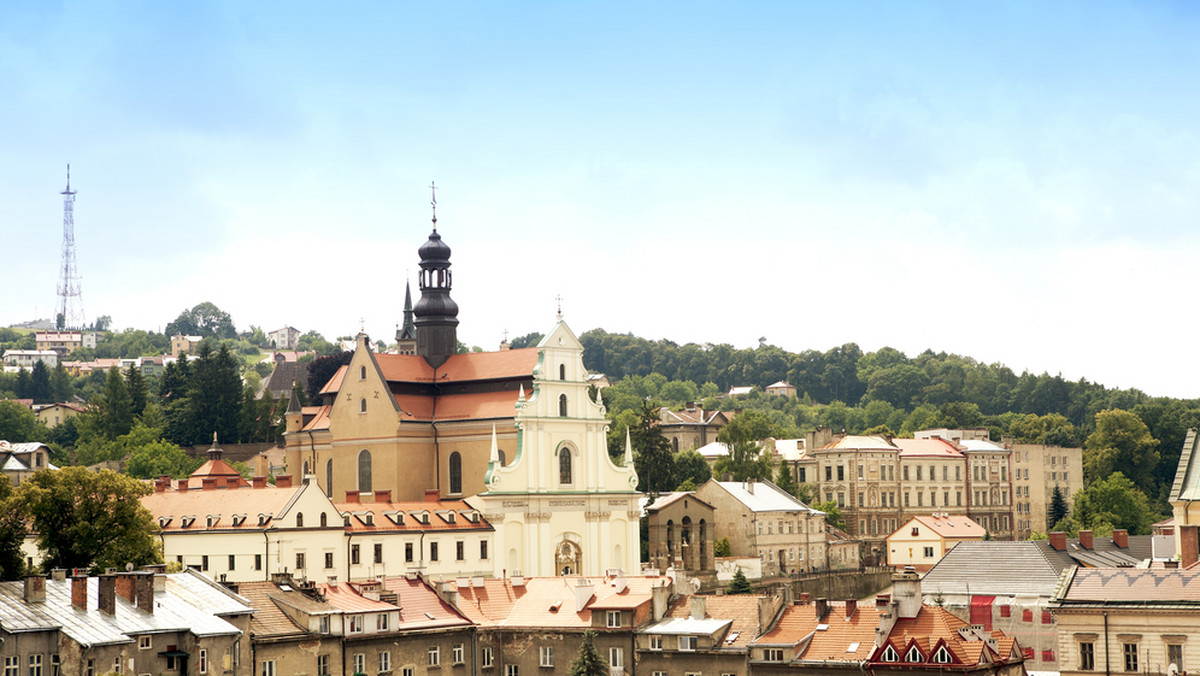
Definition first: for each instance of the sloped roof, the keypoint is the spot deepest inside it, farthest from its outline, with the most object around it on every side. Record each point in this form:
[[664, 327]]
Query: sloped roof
[[740, 609], [763, 496], [689, 416], [420, 606], [934, 624], [951, 526], [385, 514], [545, 601], [858, 442], [667, 499], [926, 448], [1187, 475], [475, 405], [716, 449], [1127, 585], [345, 597], [469, 366], [220, 503], [269, 620], [850, 639], [995, 567], [981, 446]]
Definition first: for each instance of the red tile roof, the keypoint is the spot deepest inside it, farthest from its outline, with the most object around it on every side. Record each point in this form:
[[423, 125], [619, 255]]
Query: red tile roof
[[850, 639], [934, 625], [548, 601], [420, 606], [1126, 584], [952, 526], [927, 448], [742, 609], [224, 504], [383, 513]]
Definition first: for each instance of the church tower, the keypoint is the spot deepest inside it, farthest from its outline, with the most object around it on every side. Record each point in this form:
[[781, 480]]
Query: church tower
[[406, 335], [436, 314]]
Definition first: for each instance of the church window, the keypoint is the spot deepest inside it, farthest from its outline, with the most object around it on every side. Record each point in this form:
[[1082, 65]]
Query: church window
[[685, 533], [564, 465], [562, 405], [299, 519], [329, 478], [362, 405], [455, 472], [364, 471], [362, 372], [562, 371], [324, 519]]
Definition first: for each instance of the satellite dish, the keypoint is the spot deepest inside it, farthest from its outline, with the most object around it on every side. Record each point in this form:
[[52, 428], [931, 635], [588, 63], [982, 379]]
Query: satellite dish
[[129, 567]]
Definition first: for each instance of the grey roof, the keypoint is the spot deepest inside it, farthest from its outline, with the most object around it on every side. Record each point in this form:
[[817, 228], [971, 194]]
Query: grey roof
[[685, 626], [764, 496], [172, 613], [668, 498], [1187, 476]]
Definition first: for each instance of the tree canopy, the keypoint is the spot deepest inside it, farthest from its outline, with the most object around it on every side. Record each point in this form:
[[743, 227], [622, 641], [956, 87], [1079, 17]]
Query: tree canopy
[[205, 320], [588, 661]]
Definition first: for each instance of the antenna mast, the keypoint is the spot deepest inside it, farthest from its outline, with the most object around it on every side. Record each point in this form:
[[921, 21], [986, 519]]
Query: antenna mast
[[70, 306]]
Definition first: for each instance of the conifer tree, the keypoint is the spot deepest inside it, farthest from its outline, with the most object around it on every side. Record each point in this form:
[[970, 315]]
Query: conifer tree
[[739, 584], [138, 390], [1058, 507], [588, 661]]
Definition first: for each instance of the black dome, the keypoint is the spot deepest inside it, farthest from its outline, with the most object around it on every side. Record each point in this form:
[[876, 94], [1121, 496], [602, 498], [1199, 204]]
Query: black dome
[[434, 249]]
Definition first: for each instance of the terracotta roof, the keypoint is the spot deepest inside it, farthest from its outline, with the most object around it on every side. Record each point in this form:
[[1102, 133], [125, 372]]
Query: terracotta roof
[[951, 526], [1109, 585], [225, 504], [861, 442], [926, 448], [842, 638], [669, 498], [742, 609], [420, 606], [320, 420], [269, 620], [400, 516], [459, 406], [934, 625], [501, 365], [345, 598], [546, 601]]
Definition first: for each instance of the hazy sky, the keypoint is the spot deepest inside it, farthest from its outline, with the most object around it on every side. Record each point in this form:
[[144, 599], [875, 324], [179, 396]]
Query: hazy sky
[[1016, 183]]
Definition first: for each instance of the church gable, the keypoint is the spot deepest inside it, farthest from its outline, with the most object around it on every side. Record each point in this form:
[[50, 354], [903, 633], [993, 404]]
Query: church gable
[[363, 398]]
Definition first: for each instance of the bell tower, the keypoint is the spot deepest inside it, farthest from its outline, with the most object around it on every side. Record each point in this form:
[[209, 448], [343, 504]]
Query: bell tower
[[435, 316]]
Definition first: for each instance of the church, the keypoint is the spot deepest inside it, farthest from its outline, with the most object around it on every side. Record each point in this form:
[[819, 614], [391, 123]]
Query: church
[[513, 432]]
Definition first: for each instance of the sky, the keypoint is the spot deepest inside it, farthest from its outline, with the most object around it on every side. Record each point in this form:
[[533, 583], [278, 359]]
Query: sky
[[1013, 182]]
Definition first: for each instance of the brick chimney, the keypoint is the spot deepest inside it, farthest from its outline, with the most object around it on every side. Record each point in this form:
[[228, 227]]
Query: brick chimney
[[882, 600], [144, 591], [259, 482], [432, 495], [125, 587], [183, 486], [208, 483], [283, 481], [233, 481], [851, 606], [108, 594], [79, 584], [352, 496], [822, 608], [35, 589], [384, 495], [1189, 545], [1058, 541], [1120, 538], [1085, 539], [805, 598]]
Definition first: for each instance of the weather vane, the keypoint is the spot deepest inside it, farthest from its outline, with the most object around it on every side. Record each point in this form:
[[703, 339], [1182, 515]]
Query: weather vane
[[558, 298], [433, 203]]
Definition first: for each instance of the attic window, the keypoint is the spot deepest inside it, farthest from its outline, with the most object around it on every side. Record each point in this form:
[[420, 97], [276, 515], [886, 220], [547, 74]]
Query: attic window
[[942, 656], [916, 531], [212, 520], [471, 516], [239, 519], [187, 521], [395, 517], [914, 655], [421, 517], [163, 521], [889, 655], [448, 517], [362, 372], [263, 519], [732, 637]]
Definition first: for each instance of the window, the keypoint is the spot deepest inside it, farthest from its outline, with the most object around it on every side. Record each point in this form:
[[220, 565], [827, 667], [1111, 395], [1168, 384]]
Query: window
[[773, 654], [231, 562], [329, 478], [381, 621], [455, 472], [485, 659], [362, 372], [802, 474], [364, 471], [91, 668], [942, 656], [511, 670], [433, 553], [457, 654], [299, 560], [356, 624], [323, 624], [258, 562], [385, 661], [655, 642], [299, 519], [360, 663], [1174, 650], [268, 668], [354, 555], [929, 552], [407, 671], [328, 560], [378, 552], [408, 552], [564, 465], [323, 665], [688, 643], [362, 405], [914, 655], [616, 658], [483, 550], [12, 666], [459, 551], [562, 405], [435, 656], [841, 469], [144, 642], [35, 665], [1130, 651], [201, 662], [613, 619], [906, 472], [1047, 618], [828, 473], [546, 656]]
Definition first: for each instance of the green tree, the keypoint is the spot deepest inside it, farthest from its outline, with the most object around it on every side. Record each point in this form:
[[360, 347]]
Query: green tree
[[1115, 502], [746, 461], [691, 466], [39, 384], [739, 584], [205, 319], [721, 547], [139, 391], [1122, 443], [786, 481], [527, 340], [1058, 507], [91, 520], [19, 424], [12, 533], [588, 661], [833, 513], [110, 413], [651, 452], [214, 397], [156, 457]]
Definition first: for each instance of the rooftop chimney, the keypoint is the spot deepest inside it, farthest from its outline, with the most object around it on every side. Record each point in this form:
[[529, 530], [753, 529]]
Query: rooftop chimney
[[1058, 541], [584, 591], [383, 495], [1085, 539], [431, 495], [1189, 545], [259, 482], [821, 609], [35, 589], [1120, 538], [907, 588], [79, 585], [851, 606], [881, 600], [352, 497], [208, 483], [699, 607], [144, 591], [107, 596], [59, 575], [283, 481], [805, 598]]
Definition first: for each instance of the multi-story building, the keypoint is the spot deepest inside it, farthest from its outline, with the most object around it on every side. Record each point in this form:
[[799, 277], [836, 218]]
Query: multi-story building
[[65, 342], [1037, 470], [681, 535], [763, 521], [706, 635], [181, 344], [15, 360], [923, 540], [931, 471], [691, 427], [989, 487], [286, 338]]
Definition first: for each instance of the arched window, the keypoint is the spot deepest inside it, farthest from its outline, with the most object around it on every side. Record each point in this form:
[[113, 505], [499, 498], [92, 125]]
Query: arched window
[[305, 470], [299, 519], [670, 539], [362, 372], [685, 533], [562, 371], [703, 543], [329, 478], [324, 520], [503, 460], [564, 465], [562, 405], [364, 471], [455, 472], [362, 405]]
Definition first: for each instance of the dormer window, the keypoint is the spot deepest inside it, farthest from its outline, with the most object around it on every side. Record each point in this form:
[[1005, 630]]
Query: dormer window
[[212, 520], [395, 517], [914, 655], [263, 519], [613, 619], [187, 521], [239, 519], [942, 656], [163, 521], [890, 655]]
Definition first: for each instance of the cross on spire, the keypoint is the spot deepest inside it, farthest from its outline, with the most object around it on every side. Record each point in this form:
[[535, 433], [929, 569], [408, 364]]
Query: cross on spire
[[558, 298], [433, 203]]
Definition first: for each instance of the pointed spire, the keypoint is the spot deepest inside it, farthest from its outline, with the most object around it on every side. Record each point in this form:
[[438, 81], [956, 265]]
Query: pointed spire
[[521, 394], [433, 203], [294, 401], [214, 453], [495, 458], [628, 449], [408, 331]]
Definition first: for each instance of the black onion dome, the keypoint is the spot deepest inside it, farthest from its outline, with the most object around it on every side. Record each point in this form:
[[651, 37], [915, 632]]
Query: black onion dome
[[434, 250]]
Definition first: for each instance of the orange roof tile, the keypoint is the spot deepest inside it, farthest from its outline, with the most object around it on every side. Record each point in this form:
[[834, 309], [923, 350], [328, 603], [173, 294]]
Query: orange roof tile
[[927, 448], [420, 606], [850, 639], [547, 601], [459, 406], [952, 526], [320, 421], [501, 365], [268, 619], [382, 514], [224, 504], [345, 598], [742, 609]]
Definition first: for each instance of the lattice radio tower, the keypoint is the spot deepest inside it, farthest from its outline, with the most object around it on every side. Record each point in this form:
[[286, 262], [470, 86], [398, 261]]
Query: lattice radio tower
[[70, 306]]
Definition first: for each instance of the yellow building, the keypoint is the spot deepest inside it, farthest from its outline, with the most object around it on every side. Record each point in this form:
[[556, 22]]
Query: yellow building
[[514, 432], [51, 415], [924, 540]]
